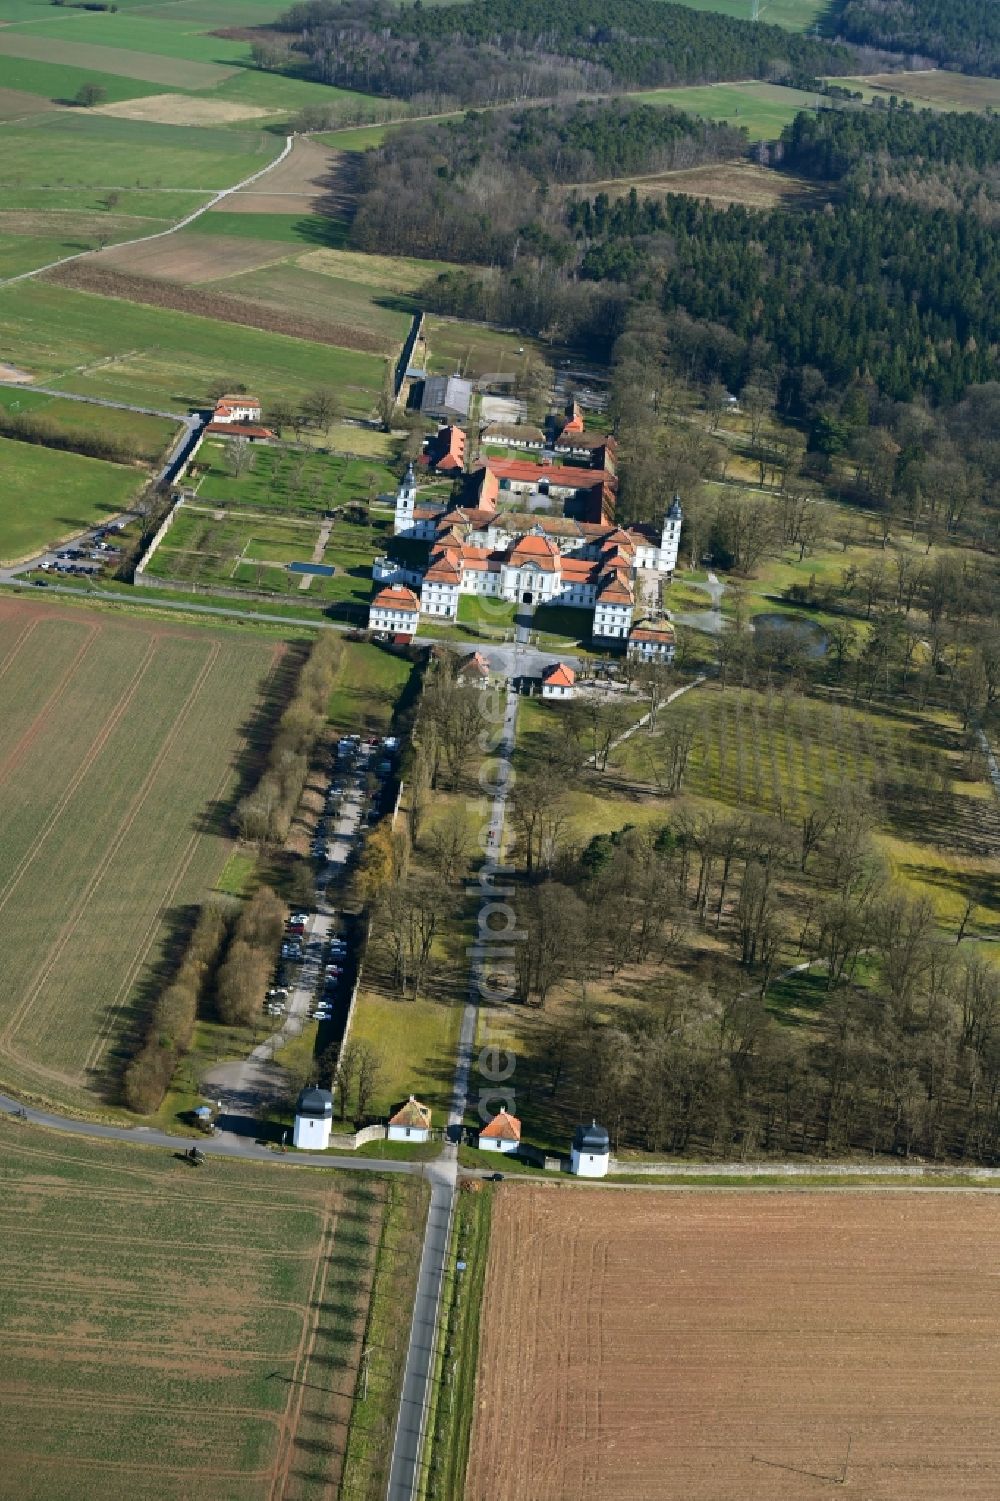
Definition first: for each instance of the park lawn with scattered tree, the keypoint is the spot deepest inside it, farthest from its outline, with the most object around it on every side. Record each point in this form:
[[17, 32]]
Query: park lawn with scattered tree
[[368, 687]]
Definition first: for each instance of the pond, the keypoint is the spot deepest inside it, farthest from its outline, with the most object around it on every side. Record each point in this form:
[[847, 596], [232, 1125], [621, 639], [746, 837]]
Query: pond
[[806, 634]]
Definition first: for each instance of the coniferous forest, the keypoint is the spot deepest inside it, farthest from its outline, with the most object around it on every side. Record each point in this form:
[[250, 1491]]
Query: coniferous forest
[[961, 34]]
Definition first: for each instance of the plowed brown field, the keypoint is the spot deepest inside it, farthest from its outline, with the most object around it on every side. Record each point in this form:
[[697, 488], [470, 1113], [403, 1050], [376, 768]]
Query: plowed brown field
[[741, 1346], [311, 176]]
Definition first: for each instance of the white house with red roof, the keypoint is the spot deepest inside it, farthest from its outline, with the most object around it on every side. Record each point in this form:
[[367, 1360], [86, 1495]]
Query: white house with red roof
[[503, 1134], [558, 681], [396, 610], [237, 408], [652, 641]]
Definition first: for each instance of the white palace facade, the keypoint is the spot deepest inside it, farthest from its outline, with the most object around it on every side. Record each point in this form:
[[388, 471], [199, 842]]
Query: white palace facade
[[524, 558]]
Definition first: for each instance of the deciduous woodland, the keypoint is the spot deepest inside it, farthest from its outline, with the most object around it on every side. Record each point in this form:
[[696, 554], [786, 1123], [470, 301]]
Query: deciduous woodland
[[475, 189]]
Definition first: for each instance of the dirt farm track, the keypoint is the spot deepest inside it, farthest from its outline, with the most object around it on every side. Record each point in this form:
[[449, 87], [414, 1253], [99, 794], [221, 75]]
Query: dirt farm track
[[740, 1346]]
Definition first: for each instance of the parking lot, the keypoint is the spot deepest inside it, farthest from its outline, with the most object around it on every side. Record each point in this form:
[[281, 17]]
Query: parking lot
[[319, 957]]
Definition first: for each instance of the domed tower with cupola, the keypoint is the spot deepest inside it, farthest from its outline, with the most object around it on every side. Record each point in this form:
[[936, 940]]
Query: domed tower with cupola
[[670, 537], [406, 499]]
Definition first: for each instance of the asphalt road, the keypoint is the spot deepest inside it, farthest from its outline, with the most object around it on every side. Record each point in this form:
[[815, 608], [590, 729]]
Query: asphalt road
[[443, 1174], [212, 1146]]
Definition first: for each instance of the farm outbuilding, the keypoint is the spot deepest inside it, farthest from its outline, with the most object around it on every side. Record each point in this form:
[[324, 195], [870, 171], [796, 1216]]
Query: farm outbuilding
[[313, 1120]]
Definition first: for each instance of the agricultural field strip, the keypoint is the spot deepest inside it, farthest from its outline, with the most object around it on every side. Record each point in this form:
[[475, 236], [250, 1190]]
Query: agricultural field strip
[[115, 713], [145, 67], [282, 1422], [145, 942], [83, 766], [14, 1024], [218, 196], [40, 716]]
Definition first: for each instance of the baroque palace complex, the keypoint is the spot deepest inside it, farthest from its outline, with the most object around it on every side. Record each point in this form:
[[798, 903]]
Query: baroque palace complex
[[499, 539]]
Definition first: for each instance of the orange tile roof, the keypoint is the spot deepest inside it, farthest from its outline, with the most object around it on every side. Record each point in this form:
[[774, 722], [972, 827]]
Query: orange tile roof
[[559, 676], [615, 590], [534, 547], [413, 1113], [503, 1127], [578, 570], [398, 597], [647, 632], [565, 476], [443, 571]]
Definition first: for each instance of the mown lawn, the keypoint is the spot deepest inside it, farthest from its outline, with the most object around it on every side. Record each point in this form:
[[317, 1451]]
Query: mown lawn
[[369, 684], [49, 495], [416, 1043]]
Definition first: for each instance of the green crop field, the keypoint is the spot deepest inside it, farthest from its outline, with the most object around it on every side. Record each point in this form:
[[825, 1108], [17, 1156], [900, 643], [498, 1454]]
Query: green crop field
[[287, 229], [106, 347], [150, 435], [344, 304], [78, 53], [60, 81], [794, 15], [49, 495], [764, 108], [136, 32], [118, 745], [81, 150], [173, 1333]]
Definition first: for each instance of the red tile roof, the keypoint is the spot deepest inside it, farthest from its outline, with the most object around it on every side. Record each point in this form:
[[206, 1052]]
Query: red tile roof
[[398, 597], [564, 476], [502, 1127], [476, 665], [239, 429], [559, 676]]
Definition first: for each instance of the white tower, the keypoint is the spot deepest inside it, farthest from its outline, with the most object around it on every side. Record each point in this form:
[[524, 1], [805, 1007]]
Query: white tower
[[406, 499], [591, 1152], [313, 1120], [670, 537]]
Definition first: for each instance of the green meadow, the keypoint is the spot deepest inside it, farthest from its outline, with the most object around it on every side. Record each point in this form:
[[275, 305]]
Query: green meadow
[[81, 150], [48, 495], [763, 108], [156, 357]]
